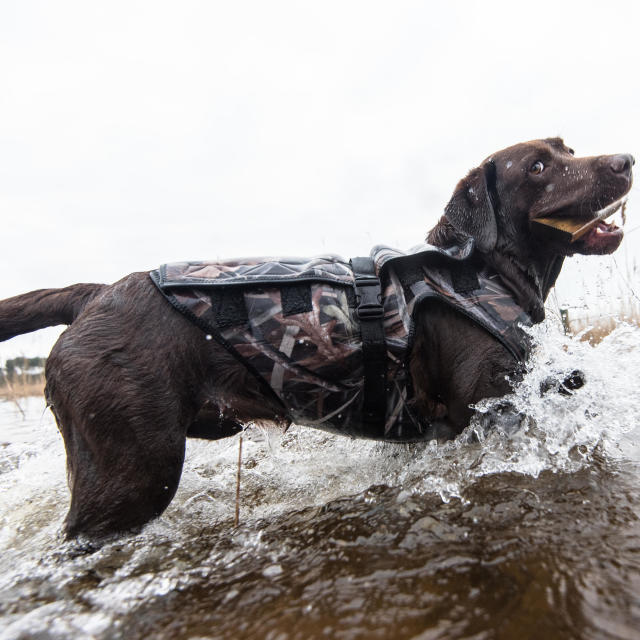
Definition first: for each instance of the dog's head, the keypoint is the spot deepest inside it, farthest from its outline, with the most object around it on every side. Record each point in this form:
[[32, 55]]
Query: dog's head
[[498, 202]]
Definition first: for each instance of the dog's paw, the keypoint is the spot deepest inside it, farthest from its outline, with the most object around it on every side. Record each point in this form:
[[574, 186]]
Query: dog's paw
[[575, 380]]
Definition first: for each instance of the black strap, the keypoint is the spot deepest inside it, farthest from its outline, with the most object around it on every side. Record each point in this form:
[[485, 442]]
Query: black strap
[[374, 351]]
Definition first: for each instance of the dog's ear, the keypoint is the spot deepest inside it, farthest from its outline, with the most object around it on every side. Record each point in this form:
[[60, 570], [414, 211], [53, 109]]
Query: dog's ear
[[471, 209]]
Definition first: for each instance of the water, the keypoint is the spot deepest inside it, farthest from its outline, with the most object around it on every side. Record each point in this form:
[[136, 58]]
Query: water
[[529, 530]]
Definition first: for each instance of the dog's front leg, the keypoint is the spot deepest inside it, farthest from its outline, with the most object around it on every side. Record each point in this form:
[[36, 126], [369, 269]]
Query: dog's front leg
[[455, 364]]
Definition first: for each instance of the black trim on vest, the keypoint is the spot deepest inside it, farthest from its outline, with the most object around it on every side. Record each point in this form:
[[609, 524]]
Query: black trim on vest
[[464, 277], [295, 299], [409, 275], [229, 308], [374, 350]]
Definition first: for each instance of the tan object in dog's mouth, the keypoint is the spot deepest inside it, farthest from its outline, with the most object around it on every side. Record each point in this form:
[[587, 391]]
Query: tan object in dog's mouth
[[569, 230]]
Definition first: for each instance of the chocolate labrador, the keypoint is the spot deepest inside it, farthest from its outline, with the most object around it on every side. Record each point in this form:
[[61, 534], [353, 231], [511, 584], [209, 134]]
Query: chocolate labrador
[[131, 377]]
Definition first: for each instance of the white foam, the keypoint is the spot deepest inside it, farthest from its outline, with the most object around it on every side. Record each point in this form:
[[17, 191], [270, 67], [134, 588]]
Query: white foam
[[289, 472]]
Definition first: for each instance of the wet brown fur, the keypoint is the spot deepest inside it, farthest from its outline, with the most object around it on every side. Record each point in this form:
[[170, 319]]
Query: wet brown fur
[[131, 378]]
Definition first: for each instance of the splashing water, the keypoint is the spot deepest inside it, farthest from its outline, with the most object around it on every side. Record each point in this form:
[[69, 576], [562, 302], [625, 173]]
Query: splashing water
[[511, 530]]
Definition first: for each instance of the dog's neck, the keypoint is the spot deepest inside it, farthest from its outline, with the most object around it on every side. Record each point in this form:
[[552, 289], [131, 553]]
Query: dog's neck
[[528, 276]]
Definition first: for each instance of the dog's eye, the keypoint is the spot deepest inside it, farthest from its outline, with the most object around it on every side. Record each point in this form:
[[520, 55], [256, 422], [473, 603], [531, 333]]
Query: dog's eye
[[572, 152], [537, 167]]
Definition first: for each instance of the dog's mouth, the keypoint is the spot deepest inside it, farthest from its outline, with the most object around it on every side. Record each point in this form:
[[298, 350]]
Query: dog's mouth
[[593, 235]]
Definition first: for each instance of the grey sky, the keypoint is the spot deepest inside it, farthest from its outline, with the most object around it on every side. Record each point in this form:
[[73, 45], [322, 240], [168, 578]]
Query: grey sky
[[135, 133]]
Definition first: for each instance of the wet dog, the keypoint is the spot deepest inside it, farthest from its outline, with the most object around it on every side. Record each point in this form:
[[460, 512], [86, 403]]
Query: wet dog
[[131, 378]]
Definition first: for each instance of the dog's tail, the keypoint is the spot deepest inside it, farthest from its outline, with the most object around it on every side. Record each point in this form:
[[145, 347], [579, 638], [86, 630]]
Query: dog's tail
[[44, 308]]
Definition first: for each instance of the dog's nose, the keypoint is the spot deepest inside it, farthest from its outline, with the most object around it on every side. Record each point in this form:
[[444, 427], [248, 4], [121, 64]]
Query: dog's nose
[[622, 163]]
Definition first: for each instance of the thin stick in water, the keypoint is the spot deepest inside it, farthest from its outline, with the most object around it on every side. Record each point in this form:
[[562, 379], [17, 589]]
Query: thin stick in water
[[14, 397], [238, 481]]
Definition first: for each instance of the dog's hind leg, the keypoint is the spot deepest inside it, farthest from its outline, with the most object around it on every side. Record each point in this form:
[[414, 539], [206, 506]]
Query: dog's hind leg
[[120, 390], [126, 381], [122, 473]]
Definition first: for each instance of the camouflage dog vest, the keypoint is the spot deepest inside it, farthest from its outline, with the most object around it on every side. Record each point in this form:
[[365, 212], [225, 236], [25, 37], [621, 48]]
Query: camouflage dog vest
[[297, 324]]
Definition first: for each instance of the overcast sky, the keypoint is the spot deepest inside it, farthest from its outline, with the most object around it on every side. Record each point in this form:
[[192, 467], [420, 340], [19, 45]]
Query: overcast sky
[[136, 133]]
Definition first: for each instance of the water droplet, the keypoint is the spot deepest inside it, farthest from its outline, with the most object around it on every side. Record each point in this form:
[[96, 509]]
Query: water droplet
[[231, 595], [272, 571]]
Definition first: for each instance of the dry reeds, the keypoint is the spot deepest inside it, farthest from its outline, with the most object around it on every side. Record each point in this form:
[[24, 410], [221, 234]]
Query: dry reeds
[[594, 327], [21, 377], [22, 387]]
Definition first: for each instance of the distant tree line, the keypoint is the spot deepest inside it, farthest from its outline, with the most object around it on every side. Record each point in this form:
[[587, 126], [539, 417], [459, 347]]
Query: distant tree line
[[24, 369]]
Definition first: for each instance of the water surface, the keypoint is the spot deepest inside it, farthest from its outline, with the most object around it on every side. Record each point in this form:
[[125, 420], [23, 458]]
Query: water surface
[[529, 530]]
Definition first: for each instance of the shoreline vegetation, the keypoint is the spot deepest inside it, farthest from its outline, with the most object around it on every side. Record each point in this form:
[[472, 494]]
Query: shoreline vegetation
[[17, 382], [594, 327], [21, 389], [21, 377]]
